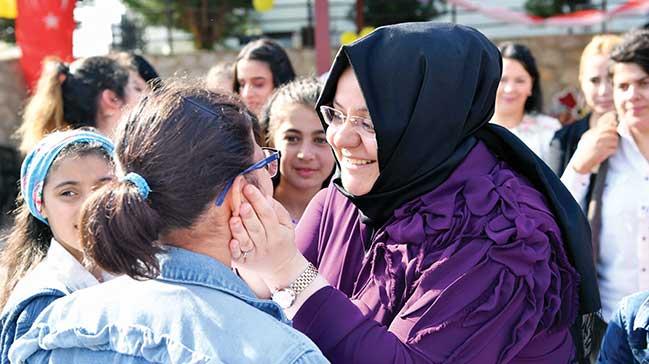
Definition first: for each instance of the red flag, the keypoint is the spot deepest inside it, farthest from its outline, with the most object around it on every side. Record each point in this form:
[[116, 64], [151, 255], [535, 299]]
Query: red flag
[[43, 28]]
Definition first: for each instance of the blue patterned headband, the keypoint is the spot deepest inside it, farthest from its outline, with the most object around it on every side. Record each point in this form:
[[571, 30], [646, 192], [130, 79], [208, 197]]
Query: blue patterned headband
[[38, 162]]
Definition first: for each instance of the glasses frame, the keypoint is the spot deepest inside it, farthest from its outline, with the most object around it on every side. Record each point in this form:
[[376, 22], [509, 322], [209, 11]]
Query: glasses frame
[[356, 121], [274, 155]]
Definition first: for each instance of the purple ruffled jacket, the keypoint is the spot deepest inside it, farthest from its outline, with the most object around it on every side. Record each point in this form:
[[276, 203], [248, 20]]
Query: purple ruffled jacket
[[472, 272]]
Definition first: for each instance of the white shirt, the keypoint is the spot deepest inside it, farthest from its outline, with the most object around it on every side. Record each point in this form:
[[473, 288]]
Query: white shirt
[[623, 261], [59, 270], [537, 131]]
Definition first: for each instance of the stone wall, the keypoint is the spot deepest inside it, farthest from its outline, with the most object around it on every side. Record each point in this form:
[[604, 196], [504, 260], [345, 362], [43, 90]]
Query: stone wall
[[12, 98], [557, 58]]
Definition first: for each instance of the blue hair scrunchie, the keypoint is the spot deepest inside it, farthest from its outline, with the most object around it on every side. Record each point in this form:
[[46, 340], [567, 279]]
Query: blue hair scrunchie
[[37, 164], [139, 182]]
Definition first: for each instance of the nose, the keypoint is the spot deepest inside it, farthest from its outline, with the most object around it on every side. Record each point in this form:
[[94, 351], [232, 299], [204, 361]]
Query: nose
[[345, 136], [306, 151], [245, 91], [507, 86], [603, 88]]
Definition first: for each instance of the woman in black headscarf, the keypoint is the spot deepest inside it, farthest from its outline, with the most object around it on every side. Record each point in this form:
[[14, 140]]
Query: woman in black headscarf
[[442, 238]]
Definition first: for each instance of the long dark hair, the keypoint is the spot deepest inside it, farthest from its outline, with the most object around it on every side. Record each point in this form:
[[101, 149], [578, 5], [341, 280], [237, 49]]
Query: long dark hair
[[67, 96], [523, 55], [271, 53], [187, 143], [302, 91], [29, 238]]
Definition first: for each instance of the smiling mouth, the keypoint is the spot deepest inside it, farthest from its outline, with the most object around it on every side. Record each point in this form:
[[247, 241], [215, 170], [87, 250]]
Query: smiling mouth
[[357, 162]]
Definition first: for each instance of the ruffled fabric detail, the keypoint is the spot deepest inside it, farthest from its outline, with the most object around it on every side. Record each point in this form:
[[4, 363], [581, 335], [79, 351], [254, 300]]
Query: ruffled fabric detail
[[484, 252], [136, 341]]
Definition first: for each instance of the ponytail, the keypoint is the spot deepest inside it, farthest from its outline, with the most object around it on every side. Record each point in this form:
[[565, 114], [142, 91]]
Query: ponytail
[[44, 110], [119, 231]]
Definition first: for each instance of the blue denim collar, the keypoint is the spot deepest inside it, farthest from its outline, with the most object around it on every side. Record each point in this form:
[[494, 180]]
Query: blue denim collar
[[184, 266], [642, 319]]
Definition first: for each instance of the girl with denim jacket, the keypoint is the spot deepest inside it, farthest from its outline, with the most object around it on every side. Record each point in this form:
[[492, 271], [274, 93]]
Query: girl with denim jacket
[[43, 251], [183, 156]]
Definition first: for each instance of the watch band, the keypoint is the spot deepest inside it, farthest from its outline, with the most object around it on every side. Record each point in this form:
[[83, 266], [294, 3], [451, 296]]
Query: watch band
[[304, 279]]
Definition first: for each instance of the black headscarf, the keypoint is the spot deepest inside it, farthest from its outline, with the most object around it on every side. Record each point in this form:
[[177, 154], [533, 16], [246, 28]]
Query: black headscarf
[[430, 89]]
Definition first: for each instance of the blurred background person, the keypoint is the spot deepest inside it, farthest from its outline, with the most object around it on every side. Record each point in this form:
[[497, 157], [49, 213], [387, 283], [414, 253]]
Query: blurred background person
[[617, 199], [261, 66], [519, 100], [293, 128], [92, 91], [596, 86], [220, 77], [141, 72]]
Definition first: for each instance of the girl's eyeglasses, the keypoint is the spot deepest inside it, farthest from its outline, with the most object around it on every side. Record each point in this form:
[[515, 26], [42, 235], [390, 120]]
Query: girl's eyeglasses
[[270, 162]]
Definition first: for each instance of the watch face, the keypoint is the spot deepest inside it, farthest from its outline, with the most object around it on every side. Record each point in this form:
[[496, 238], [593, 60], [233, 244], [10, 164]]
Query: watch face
[[284, 298]]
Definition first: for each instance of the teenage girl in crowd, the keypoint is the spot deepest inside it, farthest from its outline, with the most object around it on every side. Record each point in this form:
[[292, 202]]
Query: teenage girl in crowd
[[43, 254], [596, 86], [261, 67], [92, 91], [519, 100], [293, 127]]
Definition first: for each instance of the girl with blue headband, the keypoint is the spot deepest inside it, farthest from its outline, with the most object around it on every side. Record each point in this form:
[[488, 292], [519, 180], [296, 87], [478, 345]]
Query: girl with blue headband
[[43, 254]]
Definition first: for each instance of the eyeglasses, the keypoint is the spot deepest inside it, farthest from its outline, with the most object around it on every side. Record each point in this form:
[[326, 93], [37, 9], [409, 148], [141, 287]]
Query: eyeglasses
[[335, 119], [270, 162]]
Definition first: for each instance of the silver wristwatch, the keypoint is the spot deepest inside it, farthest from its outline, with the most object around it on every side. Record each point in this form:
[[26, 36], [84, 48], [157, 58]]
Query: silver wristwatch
[[285, 297]]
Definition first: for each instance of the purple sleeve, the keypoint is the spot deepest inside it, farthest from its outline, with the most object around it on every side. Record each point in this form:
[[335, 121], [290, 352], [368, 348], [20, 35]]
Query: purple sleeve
[[308, 229], [345, 334]]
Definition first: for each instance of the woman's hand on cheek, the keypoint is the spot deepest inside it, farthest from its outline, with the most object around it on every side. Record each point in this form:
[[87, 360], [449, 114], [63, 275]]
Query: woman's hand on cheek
[[263, 238]]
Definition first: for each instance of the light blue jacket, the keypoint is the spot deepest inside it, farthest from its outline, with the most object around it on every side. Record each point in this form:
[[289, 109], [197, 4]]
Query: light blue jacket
[[196, 311]]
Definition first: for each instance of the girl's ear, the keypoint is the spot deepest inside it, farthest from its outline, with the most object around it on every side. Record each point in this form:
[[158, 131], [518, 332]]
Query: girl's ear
[[236, 194]]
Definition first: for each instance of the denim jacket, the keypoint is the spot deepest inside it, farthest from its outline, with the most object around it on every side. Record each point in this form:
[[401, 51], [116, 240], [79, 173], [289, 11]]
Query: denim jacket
[[196, 311], [58, 274], [625, 340]]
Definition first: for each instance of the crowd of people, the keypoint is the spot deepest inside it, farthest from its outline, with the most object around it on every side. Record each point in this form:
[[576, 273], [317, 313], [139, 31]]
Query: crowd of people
[[413, 205]]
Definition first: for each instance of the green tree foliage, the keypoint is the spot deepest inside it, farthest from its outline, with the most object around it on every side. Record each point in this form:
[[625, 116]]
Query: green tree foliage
[[210, 21], [548, 8], [7, 30], [385, 12]]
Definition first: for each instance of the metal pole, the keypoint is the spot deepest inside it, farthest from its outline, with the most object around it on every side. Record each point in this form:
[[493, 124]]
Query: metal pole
[[169, 11], [360, 15], [605, 20], [453, 14], [322, 43]]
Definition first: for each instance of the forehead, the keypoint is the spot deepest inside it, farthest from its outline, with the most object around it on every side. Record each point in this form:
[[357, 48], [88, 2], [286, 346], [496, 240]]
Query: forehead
[[297, 116], [79, 168], [628, 72], [596, 63], [512, 67], [250, 68], [348, 92]]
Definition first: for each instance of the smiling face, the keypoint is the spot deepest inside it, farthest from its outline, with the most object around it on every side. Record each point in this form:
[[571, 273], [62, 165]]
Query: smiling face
[[356, 152], [69, 183], [596, 83], [255, 83], [514, 88], [631, 95], [307, 159]]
